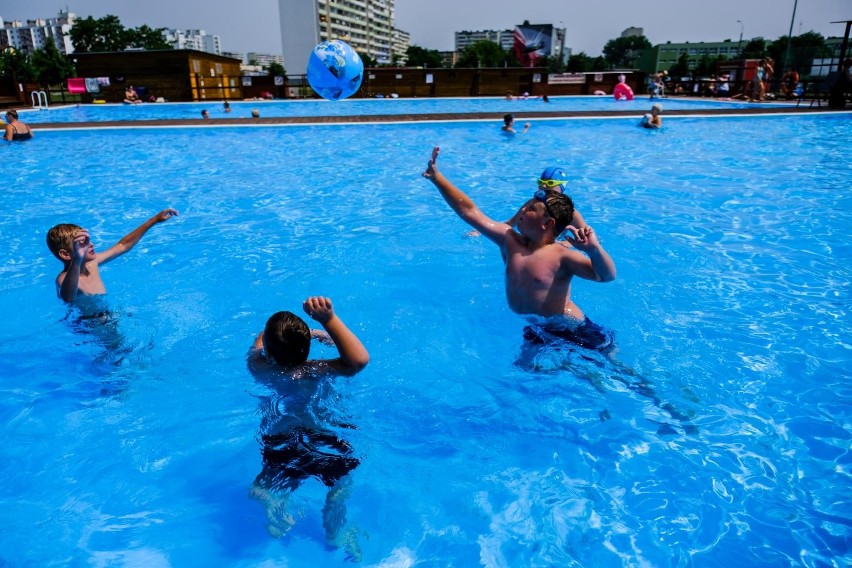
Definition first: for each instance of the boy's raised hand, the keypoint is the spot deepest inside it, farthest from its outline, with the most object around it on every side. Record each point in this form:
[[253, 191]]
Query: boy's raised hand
[[165, 215], [319, 308], [80, 246], [431, 168], [583, 239]]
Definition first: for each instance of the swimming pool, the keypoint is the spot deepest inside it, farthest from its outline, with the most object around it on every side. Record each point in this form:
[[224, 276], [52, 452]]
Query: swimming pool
[[279, 108], [732, 299]]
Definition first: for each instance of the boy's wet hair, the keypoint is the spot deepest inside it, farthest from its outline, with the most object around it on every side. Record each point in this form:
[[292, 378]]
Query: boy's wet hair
[[561, 207], [62, 237], [287, 339], [508, 118]]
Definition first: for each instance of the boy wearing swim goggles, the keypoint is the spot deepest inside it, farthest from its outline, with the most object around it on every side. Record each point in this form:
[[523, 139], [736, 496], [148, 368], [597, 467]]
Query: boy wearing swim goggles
[[538, 271], [553, 178]]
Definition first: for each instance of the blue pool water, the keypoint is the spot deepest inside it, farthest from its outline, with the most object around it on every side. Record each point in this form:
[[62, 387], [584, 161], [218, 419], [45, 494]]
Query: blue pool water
[[137, 443], [269, 109]]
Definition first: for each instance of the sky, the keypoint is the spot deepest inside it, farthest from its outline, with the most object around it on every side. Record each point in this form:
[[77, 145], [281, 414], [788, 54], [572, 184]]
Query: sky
[[253, 25]]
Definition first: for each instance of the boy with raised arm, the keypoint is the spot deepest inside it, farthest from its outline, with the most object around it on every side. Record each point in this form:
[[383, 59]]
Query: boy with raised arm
[[295, 444], [80, 273], [538, 270], [285, 342]]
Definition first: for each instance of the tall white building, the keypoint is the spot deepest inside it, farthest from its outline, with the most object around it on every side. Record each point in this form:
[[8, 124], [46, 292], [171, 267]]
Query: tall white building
[[400, 43], [35, 34], [264, 59], [198, 40], [504, 38], [366, 25]]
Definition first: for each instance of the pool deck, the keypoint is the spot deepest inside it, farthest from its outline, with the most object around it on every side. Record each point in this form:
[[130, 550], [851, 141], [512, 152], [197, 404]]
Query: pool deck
[[757, 109]]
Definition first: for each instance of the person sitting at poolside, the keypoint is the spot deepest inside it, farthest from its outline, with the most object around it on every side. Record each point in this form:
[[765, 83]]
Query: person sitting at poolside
[[538, 271], [130, 96], [72, 245], [509, 124], [16, 131], [655, 119], [295, 444], [724, 89]]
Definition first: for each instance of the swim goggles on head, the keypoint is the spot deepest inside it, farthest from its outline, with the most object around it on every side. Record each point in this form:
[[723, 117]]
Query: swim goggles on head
[[551, 183], [541, 195]]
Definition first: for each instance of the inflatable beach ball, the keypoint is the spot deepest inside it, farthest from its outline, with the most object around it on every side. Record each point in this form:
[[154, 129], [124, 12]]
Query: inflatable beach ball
[[335, 70]]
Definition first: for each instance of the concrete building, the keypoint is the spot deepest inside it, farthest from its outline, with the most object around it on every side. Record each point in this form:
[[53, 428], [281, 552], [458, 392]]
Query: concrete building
[[400, 42], [543, 40], [264, 59], [234, 55], [366, 25], [198, 40], [504, 38], [663, 56], [33, 35], [633, 32]]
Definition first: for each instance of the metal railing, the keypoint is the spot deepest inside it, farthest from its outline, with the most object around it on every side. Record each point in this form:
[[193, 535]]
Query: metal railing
[[39, 99]]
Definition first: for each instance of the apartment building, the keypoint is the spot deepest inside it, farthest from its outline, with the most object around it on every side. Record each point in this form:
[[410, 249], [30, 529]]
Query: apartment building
[[504, 38], [199, 40], [366, 25], [33, 35], [400, 41], [264, 59]]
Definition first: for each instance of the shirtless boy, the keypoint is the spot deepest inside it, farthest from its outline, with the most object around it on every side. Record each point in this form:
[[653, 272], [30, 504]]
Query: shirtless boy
[[72, 245], [509, 124], [538, 270], [296, 444]]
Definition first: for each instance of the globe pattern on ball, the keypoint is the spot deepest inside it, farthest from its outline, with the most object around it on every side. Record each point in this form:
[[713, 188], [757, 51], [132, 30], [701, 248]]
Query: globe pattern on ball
[[335, 70]]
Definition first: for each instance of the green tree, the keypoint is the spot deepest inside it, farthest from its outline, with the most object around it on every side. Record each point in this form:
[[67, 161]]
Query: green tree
[[707, 65], [102, 34], [50, 67], [367, 60], [147, 38], [624, 51], [276, 68], [681, 67], [16, 66], [485, 53], [578, 63], [754, 49], [804, 49], [598, 64], [420, 57], [554, 64]]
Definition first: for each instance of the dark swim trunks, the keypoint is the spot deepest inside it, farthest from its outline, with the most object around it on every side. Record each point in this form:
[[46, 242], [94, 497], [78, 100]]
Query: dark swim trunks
[[588, 335], [293, 456]]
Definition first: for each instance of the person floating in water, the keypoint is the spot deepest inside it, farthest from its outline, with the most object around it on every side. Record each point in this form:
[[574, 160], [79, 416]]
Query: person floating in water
[[539, 271], [509, 124], [295, 445], [654, 119], [72, 245]]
